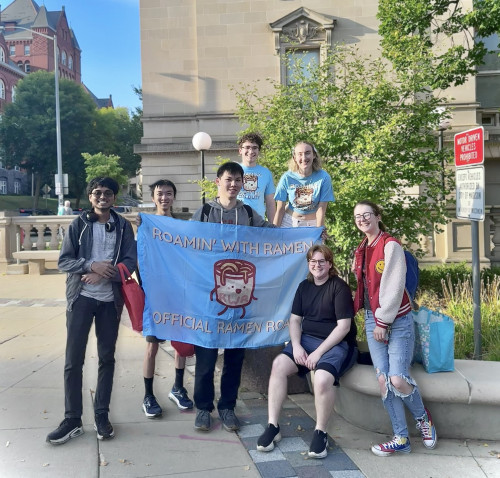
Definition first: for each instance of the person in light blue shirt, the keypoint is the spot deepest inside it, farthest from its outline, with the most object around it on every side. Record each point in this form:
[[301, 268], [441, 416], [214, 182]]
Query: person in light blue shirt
[[304, 191], [258, 184]]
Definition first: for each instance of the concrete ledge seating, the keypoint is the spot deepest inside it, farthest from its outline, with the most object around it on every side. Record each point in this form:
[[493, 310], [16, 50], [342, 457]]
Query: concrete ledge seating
[[36, 259], [464, 404]]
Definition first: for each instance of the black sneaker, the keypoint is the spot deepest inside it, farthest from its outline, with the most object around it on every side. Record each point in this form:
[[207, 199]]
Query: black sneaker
[[203, 420], [69, 428], [151, 407], [319, 445], [266, 440], [229, 420], [102, 426]]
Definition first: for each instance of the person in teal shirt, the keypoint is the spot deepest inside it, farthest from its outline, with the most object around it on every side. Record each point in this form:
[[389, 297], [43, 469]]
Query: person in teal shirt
[[258, 184], [304, 191]]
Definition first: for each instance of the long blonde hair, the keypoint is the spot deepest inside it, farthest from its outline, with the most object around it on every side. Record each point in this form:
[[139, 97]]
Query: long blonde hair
[[317, 163]]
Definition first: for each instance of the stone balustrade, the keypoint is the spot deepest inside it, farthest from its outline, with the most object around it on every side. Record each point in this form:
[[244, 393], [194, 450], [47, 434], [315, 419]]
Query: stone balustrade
[[452, 245]]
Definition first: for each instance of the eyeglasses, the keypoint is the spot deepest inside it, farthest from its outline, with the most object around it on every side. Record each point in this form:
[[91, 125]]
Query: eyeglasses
[[320, 262], [106, 194], [250, 148], [366, 216]]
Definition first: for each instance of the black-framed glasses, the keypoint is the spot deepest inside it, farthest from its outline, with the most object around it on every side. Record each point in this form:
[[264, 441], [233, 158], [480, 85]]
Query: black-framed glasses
[[366, 216], [106, 194], [319, 262]]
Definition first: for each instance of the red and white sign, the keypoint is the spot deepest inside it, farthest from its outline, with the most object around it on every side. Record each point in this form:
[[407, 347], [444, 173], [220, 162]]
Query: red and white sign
[[469, 147]]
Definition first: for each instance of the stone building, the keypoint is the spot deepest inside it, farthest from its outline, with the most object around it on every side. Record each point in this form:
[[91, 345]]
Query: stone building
[[195, 51]]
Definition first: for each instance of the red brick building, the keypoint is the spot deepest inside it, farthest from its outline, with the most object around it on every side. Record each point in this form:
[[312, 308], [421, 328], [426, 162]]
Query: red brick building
[[33, 52]]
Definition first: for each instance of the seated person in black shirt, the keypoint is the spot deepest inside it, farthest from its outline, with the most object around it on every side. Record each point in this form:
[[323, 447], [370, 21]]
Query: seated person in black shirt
[[322, 338]]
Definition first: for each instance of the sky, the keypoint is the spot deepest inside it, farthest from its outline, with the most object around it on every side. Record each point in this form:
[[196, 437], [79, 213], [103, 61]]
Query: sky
[[108, 34]]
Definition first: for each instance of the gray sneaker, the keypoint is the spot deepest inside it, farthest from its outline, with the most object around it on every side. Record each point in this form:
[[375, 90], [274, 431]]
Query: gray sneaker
[[229, 420], [203, 420]]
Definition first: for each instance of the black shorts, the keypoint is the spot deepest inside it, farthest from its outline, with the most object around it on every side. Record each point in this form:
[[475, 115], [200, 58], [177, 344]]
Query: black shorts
[[154, 340]]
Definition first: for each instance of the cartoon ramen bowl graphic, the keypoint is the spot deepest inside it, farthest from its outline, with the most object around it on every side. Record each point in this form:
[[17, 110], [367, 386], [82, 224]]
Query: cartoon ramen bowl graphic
[[234, 284]]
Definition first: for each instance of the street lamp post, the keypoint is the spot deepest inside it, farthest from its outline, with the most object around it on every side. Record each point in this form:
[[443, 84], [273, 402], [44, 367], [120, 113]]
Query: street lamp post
[[59, 181], [202, 142]]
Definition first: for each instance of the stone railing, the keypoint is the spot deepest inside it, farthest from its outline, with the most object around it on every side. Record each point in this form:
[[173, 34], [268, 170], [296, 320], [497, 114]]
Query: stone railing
[[28, 233], [453, 245]]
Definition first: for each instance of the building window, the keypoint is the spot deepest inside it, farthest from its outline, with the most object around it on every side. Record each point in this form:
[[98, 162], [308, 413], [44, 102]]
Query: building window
[[63, 61], [27, 67], [301, 38], [17, 186], [3, 185], [13, 94], [70, 62], [12, 50], [2, 89], [299, 63], [20, 65], [488, 75], [2, 55], [26, 50]]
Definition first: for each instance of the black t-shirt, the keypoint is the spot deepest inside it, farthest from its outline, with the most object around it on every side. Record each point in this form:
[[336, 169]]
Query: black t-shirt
[[321, 306]]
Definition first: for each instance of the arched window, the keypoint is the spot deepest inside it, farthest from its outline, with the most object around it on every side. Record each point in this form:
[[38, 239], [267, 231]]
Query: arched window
[[2, 55], [27, 67], [13, 94], [2, 89], [63, 58], [17, 186], [70, 62]]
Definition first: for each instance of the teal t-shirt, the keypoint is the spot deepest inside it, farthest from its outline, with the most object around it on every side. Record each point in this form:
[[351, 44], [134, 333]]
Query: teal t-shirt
[[304, 194], [257, 184]]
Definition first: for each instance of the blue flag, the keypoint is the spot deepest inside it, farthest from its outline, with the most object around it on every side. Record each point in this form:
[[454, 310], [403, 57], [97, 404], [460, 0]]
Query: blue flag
[[220, 285]]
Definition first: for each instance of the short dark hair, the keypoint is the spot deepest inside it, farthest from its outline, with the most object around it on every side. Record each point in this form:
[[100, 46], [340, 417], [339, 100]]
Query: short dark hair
[[251, 138], [231, 167], [162, 182], [327, 254], [106, 182]]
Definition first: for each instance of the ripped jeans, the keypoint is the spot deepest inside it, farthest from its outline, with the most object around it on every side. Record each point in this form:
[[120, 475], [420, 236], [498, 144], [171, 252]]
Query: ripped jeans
[[394, 359]]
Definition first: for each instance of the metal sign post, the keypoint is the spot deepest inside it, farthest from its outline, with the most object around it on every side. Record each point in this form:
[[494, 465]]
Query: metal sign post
[[469, 159]]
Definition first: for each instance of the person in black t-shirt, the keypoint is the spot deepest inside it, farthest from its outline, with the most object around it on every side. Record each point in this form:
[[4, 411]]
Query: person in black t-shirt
[[322, 338]]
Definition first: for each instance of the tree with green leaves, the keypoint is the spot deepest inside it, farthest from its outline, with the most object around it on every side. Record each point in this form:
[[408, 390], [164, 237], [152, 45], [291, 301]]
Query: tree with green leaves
[[376, 140], [117, 132], [438, 43], [28, 129], [101, 165]]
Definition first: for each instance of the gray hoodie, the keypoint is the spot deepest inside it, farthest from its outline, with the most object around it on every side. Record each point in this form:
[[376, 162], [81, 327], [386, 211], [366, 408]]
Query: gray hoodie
[[236, 215]]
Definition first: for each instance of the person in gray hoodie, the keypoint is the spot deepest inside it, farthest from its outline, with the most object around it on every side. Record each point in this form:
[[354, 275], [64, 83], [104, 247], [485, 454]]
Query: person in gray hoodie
[[224, 209], [96, 242]]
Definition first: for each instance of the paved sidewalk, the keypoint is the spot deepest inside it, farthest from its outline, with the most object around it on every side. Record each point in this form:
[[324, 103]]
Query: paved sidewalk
[[32, 335]]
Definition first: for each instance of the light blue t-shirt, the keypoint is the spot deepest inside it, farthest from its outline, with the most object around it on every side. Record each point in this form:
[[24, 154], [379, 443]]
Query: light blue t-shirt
[[305, 194], [257, 184]]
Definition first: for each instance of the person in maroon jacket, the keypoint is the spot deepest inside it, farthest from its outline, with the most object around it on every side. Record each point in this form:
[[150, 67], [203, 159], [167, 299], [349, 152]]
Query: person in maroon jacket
[[380, 268]]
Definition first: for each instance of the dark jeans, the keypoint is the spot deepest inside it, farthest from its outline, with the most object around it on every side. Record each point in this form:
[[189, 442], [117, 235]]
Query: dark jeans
[[204, 392], [78, 323]]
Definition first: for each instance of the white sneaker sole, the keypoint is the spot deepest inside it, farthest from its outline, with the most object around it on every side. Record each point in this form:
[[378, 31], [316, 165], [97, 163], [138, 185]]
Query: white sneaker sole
[[270, 447], [174, 399], [151, 415], [72, 434]]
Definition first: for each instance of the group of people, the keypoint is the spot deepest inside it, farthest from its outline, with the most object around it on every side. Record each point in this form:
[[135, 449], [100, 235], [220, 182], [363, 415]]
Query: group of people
[[322, 328]]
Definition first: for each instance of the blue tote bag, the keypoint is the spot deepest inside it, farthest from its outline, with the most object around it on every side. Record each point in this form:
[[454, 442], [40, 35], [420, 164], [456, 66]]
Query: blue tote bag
[[434, 340]]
